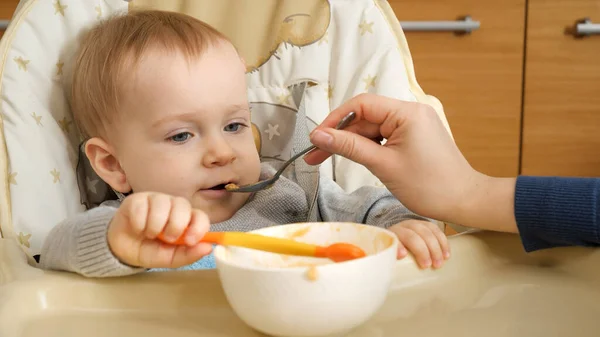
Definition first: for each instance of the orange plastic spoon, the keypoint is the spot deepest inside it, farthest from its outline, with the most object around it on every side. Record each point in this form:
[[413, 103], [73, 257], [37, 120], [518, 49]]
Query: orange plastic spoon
[[337, 252]]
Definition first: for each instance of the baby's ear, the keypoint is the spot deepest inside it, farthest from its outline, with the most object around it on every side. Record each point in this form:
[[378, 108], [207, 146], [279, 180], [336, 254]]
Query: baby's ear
[[107, 167]]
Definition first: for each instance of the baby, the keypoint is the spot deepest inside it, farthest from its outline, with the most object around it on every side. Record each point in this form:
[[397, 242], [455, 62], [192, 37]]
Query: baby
[[161, 100]]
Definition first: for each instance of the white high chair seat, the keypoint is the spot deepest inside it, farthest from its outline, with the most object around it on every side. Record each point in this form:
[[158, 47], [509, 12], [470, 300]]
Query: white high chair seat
[[362, 49], [489, 280]]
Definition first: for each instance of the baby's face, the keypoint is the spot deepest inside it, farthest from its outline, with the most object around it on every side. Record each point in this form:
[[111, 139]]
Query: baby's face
[[185, 129]]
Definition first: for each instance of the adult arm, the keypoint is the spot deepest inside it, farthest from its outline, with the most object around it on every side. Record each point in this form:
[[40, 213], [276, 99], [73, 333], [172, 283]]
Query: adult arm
[[422, 166], [557, 211]]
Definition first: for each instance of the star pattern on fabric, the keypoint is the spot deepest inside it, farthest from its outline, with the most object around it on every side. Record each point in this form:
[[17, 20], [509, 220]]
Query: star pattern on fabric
[[21, 63], [98, 12], [59, 8], [365, 27], [64, 124], [272, 131], [12, 178], [369, 81], [283, 98], [38, 119], [91, 185], [24, 239], [55, 176], [59, 68]]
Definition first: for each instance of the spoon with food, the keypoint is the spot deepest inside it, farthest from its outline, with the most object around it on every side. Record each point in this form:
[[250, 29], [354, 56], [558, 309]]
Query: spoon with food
[[261, 185]]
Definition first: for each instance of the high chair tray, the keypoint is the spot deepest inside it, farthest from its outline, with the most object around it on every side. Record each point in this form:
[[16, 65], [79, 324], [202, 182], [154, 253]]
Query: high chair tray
[[489, 287]]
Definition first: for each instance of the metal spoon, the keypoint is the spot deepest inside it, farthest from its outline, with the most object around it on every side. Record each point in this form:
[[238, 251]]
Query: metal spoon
[[268, 182]]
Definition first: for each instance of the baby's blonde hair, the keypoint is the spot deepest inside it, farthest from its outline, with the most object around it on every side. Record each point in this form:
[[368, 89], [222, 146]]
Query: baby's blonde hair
[[110, 51]]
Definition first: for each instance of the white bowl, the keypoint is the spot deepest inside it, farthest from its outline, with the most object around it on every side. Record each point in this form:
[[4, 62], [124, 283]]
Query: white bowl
[[293, 296]]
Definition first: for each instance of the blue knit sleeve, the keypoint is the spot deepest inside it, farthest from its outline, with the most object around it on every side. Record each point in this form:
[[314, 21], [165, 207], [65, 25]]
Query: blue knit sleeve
[[553, 212]]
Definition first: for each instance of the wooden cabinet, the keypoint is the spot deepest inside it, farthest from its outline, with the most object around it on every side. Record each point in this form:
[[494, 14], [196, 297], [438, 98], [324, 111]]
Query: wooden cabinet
[[478, 76], [522, 64], [7, 8], [561, 116]]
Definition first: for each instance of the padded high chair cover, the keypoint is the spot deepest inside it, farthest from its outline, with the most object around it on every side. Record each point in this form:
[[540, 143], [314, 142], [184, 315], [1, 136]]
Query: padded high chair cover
[[39, 151], [343, 47]]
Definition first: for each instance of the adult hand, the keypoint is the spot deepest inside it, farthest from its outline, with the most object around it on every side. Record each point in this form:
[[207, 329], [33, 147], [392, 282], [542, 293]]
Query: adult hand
[[419, 162]]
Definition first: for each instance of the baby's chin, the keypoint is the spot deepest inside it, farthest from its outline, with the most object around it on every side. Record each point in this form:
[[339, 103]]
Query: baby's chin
[[221, 210], [220, 216]]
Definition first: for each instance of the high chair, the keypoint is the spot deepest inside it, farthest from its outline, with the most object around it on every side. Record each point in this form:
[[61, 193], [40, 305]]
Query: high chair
[[342, 48]]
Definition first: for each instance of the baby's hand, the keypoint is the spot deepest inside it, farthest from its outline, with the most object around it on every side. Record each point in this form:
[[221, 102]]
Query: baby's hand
[[132, 233], [424, 240]]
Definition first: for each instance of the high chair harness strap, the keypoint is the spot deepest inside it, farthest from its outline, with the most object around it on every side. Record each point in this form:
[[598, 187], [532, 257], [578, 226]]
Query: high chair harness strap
[[306, 175]]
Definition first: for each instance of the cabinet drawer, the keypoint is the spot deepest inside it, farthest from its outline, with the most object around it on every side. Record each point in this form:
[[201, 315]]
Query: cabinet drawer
[[477, 76], [561, 123]]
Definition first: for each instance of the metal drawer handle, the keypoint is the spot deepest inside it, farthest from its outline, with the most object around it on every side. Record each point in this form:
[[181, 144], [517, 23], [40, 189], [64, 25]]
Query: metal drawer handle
[[464, 25], [586, 27]]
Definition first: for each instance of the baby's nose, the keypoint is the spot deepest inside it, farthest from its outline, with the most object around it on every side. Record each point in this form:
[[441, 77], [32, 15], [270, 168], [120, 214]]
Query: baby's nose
[[220, 153]]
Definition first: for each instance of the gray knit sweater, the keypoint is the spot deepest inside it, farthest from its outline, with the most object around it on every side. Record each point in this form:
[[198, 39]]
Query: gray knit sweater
[[79, 244]]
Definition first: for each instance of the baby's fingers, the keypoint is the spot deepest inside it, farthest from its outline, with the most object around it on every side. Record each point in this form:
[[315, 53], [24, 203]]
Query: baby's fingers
[[433, 245], [158, 214], [415, 244], [442, 239], [179, 219], [402, 252], [198, 226], [134, 212]]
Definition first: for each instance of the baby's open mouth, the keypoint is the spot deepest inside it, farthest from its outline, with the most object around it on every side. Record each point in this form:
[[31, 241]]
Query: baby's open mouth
[[218, 187], [226, 186]]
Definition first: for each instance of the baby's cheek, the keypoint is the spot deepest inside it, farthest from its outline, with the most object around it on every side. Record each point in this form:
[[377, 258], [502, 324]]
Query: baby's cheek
[[164, 179], [251, 161]]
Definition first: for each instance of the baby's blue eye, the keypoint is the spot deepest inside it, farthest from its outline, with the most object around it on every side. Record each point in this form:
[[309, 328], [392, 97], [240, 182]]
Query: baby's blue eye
[[233, 127], [181, 137]]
